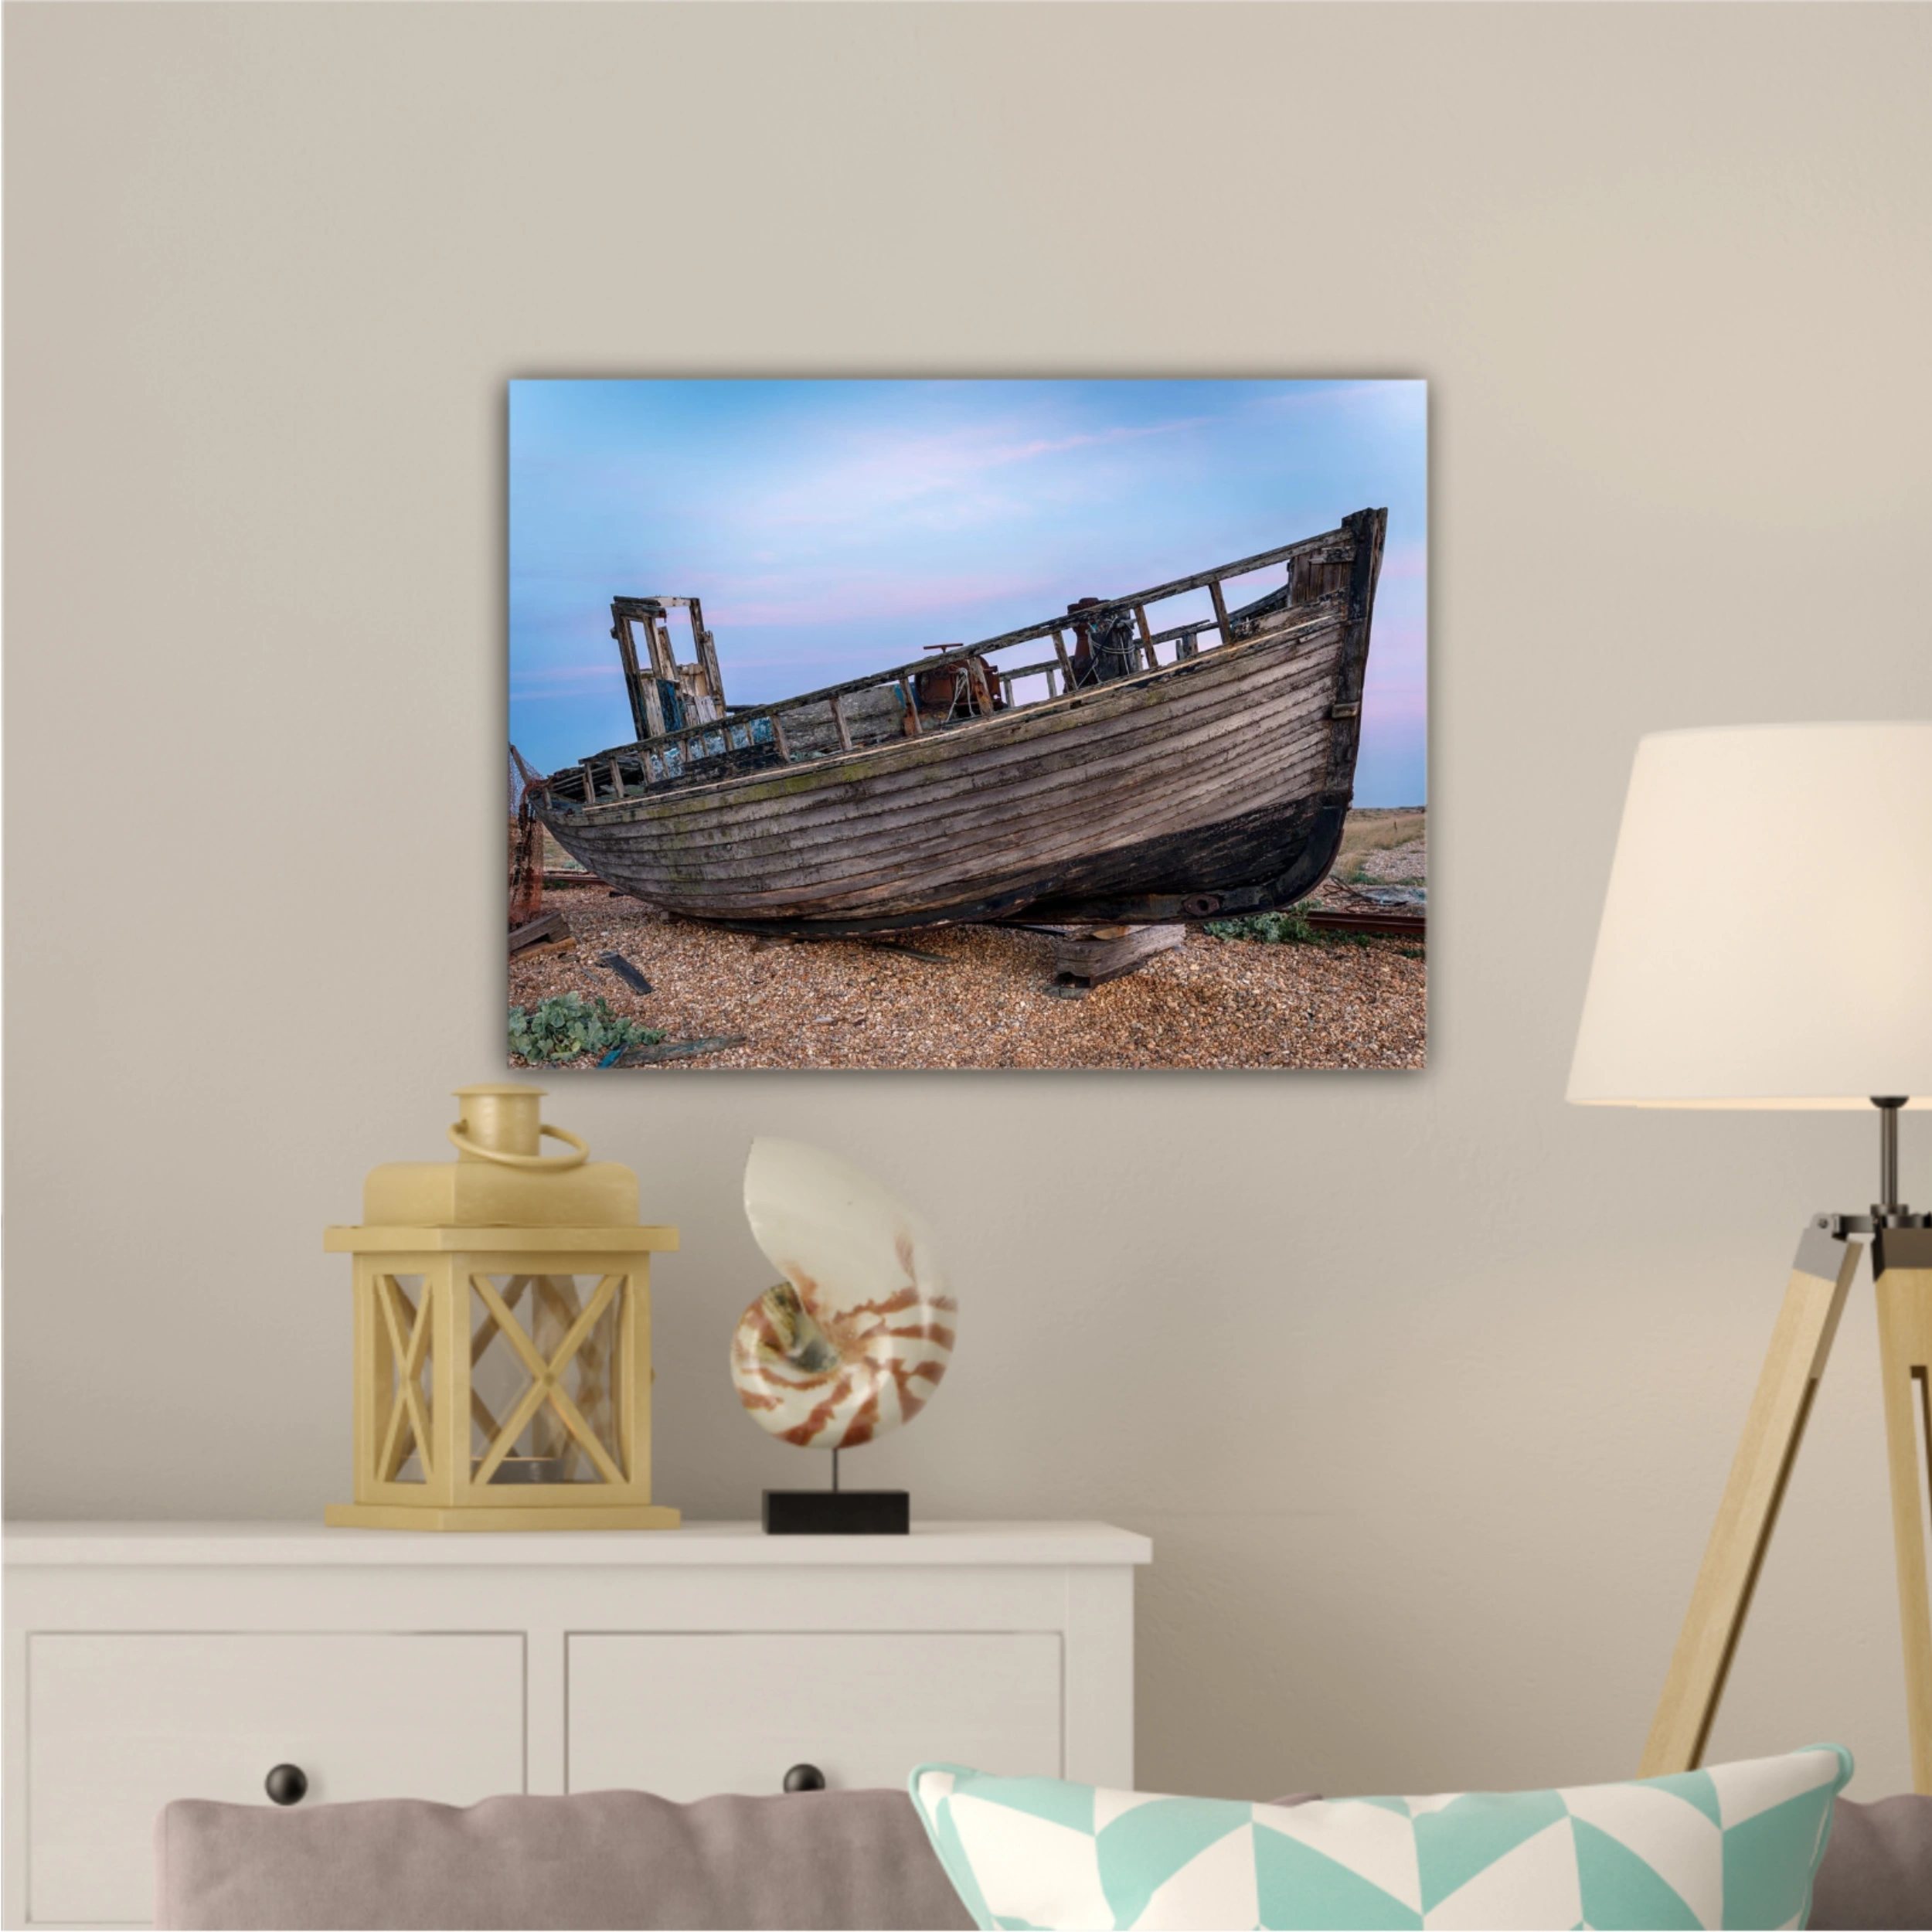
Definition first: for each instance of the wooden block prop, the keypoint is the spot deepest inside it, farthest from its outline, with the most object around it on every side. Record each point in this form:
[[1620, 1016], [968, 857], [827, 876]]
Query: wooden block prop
[[1092, 955]]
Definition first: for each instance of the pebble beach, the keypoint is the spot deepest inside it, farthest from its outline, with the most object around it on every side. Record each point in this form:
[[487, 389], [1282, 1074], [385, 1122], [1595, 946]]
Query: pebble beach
[[985, 997]]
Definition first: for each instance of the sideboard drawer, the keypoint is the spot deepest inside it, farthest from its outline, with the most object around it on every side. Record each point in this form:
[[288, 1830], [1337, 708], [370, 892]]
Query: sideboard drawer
[[687, 1715], [119, 1723]]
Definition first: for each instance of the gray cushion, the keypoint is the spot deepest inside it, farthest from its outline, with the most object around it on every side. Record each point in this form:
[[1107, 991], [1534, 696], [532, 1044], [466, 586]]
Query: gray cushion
[[601, 1859], [1877, 1871], [610, 1859]]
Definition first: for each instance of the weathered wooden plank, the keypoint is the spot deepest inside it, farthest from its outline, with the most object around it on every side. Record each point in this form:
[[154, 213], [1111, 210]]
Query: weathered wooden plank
[[1364, 568], [1220, 611], [653, 705], [617, 963], [1059, 652], [551, 926], [1092, 955], [1391, 925], [707, 649], [634, 682]]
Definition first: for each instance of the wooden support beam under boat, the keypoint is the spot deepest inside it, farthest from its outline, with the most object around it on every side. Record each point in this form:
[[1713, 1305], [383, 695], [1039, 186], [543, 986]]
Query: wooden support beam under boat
[[1092, 955]]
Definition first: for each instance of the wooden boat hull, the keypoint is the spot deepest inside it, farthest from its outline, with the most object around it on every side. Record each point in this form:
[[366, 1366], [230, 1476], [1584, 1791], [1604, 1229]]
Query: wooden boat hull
[[1213, 786]]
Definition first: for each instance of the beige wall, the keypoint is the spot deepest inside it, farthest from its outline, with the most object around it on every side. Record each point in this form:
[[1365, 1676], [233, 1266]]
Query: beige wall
[[1424, 1385]]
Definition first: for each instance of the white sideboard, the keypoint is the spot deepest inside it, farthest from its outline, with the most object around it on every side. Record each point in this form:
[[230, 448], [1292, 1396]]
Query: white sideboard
[[151, 1661]]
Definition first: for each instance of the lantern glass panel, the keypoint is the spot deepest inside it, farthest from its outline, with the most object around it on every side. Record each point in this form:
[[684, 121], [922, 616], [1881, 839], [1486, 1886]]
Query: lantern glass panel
[[568, 1324], [403, 1337]]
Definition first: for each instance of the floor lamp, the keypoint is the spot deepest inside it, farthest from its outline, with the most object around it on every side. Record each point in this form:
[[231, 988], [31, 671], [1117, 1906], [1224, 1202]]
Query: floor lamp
[[1767, 942]]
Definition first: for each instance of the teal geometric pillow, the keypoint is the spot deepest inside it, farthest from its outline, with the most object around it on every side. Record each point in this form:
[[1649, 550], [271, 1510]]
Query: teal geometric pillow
[[1737, 1845]]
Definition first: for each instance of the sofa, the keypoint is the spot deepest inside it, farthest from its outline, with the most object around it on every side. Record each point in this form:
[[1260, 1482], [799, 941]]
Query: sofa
[[623, 1859]]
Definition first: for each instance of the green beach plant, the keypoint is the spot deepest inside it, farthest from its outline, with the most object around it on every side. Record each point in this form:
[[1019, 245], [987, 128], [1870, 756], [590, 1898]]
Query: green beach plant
[[568, 1026], [1289, 927]]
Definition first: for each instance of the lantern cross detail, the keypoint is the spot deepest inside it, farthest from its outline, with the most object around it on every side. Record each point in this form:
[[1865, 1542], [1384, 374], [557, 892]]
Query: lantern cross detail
[[546, 1379], [394, 1301]]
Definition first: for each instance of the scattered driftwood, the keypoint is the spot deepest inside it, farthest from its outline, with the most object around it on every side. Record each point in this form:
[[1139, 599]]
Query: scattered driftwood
[[675, 1049], [907, 952], [617, 963], [1092, 955], [551, 928], [1391, 925]]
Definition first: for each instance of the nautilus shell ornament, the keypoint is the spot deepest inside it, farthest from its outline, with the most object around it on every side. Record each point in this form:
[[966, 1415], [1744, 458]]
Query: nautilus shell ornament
[[856, 1337]]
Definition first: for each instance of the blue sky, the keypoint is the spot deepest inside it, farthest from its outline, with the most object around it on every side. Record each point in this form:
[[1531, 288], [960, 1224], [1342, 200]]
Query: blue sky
[[833, 528]]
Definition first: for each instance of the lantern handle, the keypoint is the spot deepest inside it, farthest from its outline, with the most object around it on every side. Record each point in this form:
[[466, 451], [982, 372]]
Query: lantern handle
[[551, 1163]]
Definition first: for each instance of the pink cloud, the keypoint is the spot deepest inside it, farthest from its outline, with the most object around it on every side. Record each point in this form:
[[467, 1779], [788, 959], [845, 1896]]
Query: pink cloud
[[897, 472]]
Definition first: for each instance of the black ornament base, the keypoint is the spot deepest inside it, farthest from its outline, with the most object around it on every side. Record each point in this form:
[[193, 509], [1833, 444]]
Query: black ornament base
[[837, 1512]]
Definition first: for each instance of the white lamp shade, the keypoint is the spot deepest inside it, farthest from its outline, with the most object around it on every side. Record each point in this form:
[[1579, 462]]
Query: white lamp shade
[[1767, 939]]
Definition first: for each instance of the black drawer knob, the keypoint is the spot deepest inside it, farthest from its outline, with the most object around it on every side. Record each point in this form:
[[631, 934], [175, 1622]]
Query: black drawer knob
[[805, 1777], [287, 1784]]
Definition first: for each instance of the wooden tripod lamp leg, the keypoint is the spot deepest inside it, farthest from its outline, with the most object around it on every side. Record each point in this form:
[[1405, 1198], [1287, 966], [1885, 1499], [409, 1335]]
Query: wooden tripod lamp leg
[[1901, 1264], [1821, 1278]]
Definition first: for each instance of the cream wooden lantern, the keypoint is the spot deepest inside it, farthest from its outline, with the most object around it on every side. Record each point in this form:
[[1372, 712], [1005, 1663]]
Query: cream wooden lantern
[[502, 1333]]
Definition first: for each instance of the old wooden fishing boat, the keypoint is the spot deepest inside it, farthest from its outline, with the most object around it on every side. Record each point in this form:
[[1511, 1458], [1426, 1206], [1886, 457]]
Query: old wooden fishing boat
[[1140, 774]]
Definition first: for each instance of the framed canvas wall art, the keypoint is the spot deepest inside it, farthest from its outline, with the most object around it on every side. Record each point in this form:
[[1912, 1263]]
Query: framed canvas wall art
[[967, 724]]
